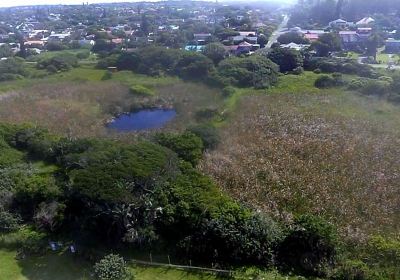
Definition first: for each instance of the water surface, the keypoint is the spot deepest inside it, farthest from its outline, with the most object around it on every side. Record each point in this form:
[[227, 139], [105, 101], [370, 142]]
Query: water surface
[[142, 120]]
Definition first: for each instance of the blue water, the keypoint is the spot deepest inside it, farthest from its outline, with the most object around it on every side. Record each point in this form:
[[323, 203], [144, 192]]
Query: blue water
[[142, 120]]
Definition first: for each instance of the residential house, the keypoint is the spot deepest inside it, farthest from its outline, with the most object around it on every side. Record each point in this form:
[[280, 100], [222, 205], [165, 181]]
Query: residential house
[[244, 48], [367, 21], [194, 48], [349, 38], [312, 35], [202, 38], [392, 46], [364, 33], [294, 46], [340, 23]]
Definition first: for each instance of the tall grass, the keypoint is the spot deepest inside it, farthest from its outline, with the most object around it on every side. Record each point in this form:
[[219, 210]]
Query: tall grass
[[331, 154]]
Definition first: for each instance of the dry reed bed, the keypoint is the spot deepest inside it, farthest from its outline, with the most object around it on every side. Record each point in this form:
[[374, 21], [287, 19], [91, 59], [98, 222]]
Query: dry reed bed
[[283, 155], [81, 109]]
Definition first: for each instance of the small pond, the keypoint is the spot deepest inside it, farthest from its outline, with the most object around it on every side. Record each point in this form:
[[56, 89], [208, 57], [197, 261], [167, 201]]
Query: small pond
[[142, 120]]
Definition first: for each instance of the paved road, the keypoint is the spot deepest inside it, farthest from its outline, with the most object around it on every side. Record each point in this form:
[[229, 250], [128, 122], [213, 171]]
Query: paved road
[[274, 37]]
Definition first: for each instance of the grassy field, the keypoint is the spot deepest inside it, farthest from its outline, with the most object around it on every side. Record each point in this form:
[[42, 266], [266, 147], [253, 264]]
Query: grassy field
[[66, 267], [298, 149]]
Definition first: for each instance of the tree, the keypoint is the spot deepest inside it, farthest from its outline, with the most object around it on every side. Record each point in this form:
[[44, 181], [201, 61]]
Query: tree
[[5, 51], [287, 59], [310, 247], [292, 37], [373, 43], [112, 267], [262, 40], [326, 43], [188, 146], [193, 66], [214, 51], [256, 70]]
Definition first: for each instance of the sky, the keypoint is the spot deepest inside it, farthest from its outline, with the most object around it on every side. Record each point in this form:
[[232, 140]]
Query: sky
[[10, 3]]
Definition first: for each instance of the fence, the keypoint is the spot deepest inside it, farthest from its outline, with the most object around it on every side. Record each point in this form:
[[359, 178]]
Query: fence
[[185, 267]]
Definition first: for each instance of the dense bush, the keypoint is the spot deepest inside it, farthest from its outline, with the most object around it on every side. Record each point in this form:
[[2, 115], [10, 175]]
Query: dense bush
[[112, 267], [310, 247], [188, 146], [228, 91], [256, 70], [292, 37], [287, 59], [8, 221], [344, 66], [63, 62], [375, 87], [12, 69], [238, 238], [325, 81], [208, 134]]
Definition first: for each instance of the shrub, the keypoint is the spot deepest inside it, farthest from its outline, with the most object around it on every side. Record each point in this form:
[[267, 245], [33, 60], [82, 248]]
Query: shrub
[[235, 238], [325, 81], [351, 270], [9, 221], [287, 59], [141, 90], [310, 247], [376, 87], [206, 113], [188, 146], [255, 70], [62, 62], [298, 71], [107, 76], [208, 134], [356, 84], [112, 267], [228, 91], [317, 71], [83, 54]]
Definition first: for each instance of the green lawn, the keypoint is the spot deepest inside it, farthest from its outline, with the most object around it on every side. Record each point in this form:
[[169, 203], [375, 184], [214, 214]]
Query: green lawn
[[66, 267]]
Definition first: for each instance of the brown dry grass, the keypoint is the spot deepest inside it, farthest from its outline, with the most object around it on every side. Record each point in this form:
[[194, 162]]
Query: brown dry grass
[[331, 154]]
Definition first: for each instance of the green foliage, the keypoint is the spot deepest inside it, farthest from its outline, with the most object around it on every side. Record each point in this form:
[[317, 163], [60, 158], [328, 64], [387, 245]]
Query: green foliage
[[292, 37], [193, 66], [287, 59], [188, 146], [375, 87], [12, 69], [228, 91], [5, 51], [128, 61], [208, 134], [325, 81], [384, 251], [344, 66], [62, 62], [310, 247], [112, 267], [9, 221], [141, 90], [107, 76], [215, 51], [327, 43], [352, 270], [235, 238], [256, 70]]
